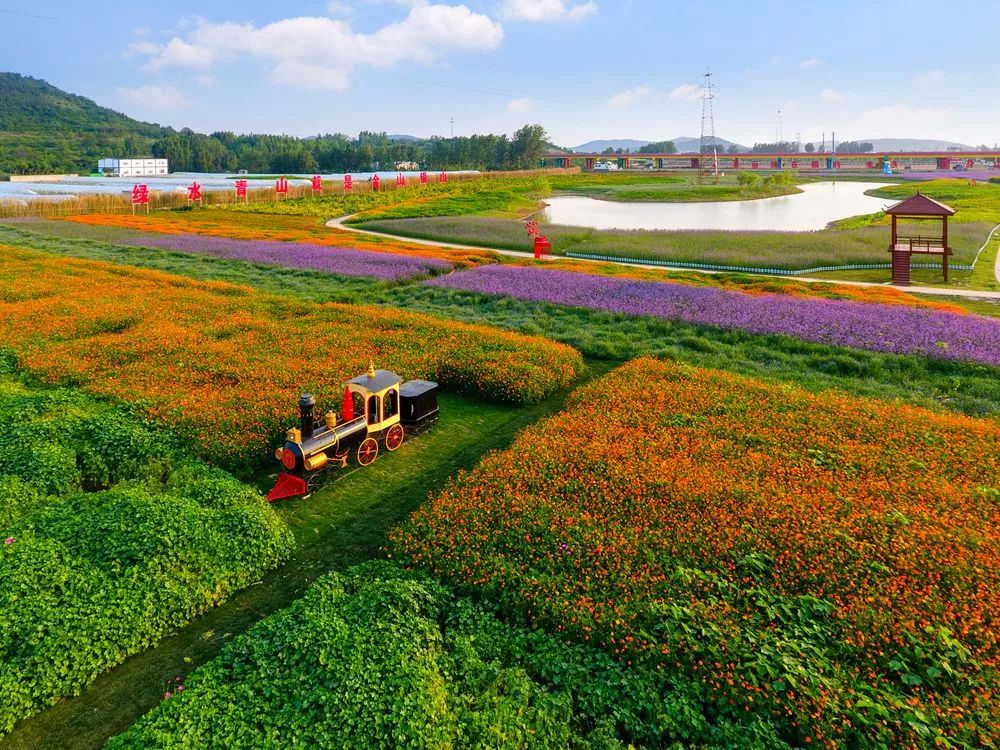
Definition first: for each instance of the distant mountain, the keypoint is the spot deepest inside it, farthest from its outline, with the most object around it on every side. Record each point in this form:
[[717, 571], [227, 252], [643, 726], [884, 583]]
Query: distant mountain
[[913, 144], [684, 144]]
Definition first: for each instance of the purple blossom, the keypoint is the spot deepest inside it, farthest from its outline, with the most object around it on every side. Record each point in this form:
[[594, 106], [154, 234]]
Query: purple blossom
[[885, 328], [338, 260]]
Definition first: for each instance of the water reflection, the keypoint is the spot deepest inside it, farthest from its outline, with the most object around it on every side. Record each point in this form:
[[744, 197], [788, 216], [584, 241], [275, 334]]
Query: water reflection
[[817, 205]]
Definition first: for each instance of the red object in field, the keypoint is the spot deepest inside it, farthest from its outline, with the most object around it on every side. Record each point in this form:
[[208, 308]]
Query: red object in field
[[281, 186], [194, 191], [423, 178], [400, 180], [241, 188], [347, 406], [532, 227], [317, 184], [970, 163], [736, 163], [140, 195], [755, 165], [774, 163], [348, 183], [287, 485], [542, 245], [815, 164], [894, 164], [996, 164], [795, 163], [375, 182], [870, 164], [836, 164], [443, 177]]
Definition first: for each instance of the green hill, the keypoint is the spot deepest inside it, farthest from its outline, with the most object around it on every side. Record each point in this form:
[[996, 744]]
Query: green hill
[[45, 129]]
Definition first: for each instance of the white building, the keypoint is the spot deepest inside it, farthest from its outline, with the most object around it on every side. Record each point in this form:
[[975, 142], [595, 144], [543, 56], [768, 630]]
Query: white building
[[134, 167]]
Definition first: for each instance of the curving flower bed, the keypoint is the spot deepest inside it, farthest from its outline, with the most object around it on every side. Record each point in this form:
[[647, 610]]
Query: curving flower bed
[[337, 260], [887, 328]]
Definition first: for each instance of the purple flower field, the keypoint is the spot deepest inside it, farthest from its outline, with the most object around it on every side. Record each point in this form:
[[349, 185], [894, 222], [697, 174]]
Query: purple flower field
[[338, 260], [895, 329]]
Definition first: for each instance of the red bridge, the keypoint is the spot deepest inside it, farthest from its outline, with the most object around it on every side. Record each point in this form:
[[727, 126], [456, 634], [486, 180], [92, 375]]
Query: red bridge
[[921, 161]]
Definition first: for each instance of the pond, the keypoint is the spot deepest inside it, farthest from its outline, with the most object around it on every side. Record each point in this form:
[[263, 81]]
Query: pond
[[817, 205]]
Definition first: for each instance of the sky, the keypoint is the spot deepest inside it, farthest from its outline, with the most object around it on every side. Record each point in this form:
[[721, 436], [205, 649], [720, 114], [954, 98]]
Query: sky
[[584, 69]]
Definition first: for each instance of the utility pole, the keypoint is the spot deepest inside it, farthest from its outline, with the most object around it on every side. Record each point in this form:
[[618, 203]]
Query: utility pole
[[777, 132], [452, 127], [833, 141], [822, 147], [707, 128]]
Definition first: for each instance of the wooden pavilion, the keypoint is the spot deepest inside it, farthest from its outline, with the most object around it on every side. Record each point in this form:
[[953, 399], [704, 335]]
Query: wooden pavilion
[[902, 247]]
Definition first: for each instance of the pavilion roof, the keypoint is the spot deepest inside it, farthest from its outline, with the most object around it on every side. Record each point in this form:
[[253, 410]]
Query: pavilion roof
[[920, 205]]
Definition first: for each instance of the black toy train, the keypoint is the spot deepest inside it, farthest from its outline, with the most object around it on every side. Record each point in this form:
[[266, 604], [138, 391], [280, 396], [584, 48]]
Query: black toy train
[[378, 409]]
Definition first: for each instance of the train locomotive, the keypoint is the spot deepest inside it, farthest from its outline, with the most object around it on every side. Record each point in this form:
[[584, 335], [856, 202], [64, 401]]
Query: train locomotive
[[378, 410]]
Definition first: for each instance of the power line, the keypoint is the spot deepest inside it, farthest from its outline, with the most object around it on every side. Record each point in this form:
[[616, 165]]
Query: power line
[[28, 15]]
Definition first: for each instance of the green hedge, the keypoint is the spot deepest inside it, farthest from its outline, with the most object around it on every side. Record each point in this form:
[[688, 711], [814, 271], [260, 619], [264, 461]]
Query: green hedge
[[383, 658], [110, 537]]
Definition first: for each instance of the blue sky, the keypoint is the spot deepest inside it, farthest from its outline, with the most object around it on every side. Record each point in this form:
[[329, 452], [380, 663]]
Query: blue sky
[[584, 69]]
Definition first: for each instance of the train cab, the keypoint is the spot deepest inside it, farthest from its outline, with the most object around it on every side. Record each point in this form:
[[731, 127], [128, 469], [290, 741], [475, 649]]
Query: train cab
[[375, 394]]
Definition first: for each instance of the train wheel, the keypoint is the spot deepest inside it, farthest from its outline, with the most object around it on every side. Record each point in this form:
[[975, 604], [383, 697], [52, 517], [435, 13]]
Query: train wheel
[[394, 437], [367, 451]]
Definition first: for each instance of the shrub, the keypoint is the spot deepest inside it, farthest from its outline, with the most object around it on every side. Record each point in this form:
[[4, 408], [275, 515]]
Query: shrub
[[111, 537], [380, 658]]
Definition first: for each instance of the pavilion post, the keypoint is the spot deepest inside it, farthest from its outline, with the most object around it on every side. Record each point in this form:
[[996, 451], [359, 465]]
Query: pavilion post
[[944, 241]]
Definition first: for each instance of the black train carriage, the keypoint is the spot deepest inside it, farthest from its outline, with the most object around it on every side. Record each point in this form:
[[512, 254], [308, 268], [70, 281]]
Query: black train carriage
[[378, 409]]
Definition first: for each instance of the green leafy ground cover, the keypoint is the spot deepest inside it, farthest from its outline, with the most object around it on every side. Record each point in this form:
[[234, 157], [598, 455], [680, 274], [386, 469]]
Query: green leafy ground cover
[[112, 536], [380, 658], [971, 389]]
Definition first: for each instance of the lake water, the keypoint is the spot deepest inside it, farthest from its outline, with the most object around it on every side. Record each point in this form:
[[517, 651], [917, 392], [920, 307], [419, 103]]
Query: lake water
[[175, 183], [817, 205]]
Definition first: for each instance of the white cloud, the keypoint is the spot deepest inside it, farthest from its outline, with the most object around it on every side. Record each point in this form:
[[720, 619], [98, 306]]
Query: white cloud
[[921, 122], [686, 92], [154, 97], [321, 52], [522, 104], [831, 96], [811, 62], [546, 10], [338, 8], [931, 76], [629, 97]]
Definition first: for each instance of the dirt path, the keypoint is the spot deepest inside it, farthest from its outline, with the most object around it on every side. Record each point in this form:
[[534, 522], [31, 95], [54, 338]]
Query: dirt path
[[937, 291]]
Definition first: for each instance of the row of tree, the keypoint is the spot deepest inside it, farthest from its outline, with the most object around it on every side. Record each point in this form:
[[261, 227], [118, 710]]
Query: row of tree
[[224, 151]]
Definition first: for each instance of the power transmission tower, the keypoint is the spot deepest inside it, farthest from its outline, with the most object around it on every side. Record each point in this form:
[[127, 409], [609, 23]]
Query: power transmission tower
[[707, 143], [777, 132]]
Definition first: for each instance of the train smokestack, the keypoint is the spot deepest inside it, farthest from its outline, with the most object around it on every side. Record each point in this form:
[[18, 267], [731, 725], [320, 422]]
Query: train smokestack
[[306, 405]]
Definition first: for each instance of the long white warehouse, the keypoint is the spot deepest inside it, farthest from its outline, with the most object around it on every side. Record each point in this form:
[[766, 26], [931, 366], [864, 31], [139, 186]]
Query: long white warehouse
[[134, 167]]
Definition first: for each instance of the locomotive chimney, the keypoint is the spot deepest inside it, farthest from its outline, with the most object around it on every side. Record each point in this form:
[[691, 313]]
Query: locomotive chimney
[[306, 404]]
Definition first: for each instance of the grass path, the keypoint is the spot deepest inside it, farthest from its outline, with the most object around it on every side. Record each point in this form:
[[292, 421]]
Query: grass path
[[343, 524]]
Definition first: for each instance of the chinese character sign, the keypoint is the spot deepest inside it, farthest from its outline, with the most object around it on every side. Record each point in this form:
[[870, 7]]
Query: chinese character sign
[[281, 186], [532, 227], [140, 195], [348, 183], [443, 177], [241, 188], [400, 180], [317, 184], [423, 178], [194, 192], [375, 182]]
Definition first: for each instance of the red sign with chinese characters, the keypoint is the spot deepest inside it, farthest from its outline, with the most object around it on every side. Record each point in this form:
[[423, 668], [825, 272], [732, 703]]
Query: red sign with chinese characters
[[317, 184], [194, 191], [375, 182], [140, 195], [241, 188], [443, 177], [400, 180], [423, 178], [348, 183], [532, 227], [281, 186]]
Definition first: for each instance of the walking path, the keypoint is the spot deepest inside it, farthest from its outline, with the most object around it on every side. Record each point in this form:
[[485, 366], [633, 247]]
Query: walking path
[[939, 291]]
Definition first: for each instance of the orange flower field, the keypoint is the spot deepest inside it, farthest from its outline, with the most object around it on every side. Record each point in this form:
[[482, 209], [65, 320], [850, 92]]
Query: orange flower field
[[225, 364], [829, 564], [251, 226]]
